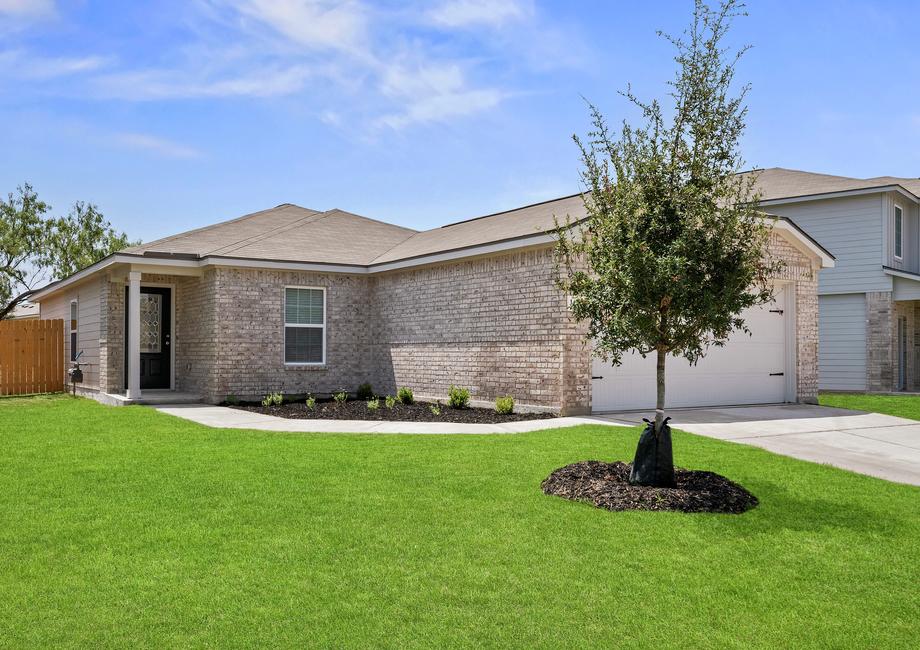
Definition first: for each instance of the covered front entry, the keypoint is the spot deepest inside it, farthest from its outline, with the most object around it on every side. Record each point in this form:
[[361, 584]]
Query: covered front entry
[[750, 369], [155, 336]]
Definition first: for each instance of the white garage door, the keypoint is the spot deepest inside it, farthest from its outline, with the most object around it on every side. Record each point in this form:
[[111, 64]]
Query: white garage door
[[747, 370]]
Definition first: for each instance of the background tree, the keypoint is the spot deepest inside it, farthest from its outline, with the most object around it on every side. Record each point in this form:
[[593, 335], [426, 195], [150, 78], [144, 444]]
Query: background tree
[[35, 249], [673, 246]]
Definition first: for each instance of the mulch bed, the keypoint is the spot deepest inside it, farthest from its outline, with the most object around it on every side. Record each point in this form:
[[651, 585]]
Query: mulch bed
[[606, 485], [418, 412]]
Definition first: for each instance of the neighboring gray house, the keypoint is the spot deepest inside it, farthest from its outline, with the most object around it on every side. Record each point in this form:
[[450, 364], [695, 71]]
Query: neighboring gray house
[[869, 302], [301, 301]]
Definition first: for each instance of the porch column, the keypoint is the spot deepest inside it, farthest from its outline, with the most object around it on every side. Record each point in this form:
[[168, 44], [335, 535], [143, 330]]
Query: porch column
[[133, 356]]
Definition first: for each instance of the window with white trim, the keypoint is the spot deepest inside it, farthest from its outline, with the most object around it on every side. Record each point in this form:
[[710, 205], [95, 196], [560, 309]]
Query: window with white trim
[[898, 232], [304, 325], [74, 316]]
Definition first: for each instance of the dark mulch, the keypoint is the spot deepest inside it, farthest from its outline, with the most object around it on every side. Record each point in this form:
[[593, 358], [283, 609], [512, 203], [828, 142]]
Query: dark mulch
[[606, 485], [418, 412]]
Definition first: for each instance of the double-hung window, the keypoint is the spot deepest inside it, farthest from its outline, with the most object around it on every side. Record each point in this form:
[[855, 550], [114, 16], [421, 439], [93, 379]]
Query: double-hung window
[[304, 326], [898, 232], [74, 316]]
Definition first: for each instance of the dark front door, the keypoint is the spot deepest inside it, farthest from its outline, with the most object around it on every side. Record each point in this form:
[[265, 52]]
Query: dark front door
[[156, 337]]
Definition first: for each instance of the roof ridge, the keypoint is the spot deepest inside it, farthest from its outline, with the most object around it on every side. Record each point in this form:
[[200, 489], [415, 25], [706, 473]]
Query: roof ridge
[[380, 221], [522, 207], [804, 171], [229, 248], [212, 226]]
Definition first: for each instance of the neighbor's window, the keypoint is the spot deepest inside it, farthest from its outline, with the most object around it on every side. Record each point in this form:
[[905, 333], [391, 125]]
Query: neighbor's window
[[74, 312], [898, 231], [304, 325]]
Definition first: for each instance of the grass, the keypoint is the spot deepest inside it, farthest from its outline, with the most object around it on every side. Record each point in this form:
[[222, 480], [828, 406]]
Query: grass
[[125, 527], [905, 406]]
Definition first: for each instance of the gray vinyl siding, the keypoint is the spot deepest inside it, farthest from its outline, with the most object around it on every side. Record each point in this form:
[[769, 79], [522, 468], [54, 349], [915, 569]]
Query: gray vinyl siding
[[910, 258], [906, 289], [88, 325], [851, 229], [842, 342]]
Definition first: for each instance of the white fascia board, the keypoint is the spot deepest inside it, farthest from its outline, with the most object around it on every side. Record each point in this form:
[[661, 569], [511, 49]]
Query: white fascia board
[[73, 279], [843, 193], [234, 262], [827, 261], [907, 275], [472, 251]]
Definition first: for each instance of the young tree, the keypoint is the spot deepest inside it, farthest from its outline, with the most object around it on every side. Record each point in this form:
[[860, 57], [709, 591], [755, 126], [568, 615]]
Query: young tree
[[35, 249], [673, 245]]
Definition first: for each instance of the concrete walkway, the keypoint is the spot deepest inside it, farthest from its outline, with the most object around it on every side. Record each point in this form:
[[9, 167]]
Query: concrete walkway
[[870, 443], [228, 418]]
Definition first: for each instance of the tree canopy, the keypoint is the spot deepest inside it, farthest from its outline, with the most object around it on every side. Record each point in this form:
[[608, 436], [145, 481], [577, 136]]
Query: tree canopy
[[36, 248], [673, 246]]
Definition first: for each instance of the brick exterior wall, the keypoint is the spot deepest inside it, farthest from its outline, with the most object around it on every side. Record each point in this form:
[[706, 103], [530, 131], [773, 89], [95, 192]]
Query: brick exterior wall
[[799, 270], [882, 363], [496, 325], [904, 309], [880, 354]]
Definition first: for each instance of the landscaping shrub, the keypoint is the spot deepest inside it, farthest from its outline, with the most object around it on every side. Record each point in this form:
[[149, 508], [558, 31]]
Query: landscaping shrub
[[231, 400], [390, 401], [405, 395], [505, 405], [311, 402], [365, 391], [435, 408], [272, 399], [458, 397], [340, 397], [373, 404]]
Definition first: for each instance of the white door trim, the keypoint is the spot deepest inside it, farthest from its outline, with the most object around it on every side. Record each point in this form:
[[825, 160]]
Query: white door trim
[[172, 326]]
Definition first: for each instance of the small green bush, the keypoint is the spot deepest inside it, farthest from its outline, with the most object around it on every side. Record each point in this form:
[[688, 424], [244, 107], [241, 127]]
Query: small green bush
[[504, 405], [311, 403], [405, 395], [231, 400], [458, 397], [435, 409], [365, 391], [272, 399], [340, 397], [373, 404], [390, 401]]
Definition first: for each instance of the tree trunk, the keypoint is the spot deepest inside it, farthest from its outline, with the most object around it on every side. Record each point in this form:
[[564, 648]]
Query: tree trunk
[[7, 309], [659, 378], [654, 461]]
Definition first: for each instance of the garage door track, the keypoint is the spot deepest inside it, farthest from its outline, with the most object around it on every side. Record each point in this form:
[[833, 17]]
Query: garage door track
[[870, 443]]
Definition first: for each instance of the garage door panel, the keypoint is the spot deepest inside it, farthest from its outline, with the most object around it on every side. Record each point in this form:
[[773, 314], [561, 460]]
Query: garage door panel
[[749, 369]]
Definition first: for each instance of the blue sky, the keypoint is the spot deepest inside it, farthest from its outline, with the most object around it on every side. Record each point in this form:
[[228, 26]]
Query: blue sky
[[177, 114]]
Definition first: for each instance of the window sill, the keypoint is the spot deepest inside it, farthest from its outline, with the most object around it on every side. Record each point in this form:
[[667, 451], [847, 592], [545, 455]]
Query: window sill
[[305, 367]]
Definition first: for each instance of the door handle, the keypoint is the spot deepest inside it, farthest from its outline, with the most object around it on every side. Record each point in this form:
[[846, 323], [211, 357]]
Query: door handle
[[777, 374], [597, 377]]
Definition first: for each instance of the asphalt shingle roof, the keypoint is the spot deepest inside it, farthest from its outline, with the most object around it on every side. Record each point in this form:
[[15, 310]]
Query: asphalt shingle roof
[[291, 233]]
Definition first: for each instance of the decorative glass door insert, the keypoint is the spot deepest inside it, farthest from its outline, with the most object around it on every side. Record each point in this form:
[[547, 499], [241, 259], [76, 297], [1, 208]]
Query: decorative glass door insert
[[151, 322]]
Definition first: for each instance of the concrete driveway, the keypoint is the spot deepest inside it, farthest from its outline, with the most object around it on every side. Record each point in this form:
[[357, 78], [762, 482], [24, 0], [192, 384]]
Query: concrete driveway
[[870, 443]]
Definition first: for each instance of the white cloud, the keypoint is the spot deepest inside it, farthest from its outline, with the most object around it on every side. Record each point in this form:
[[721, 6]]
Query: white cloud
[[21, 64], [432, 93], [472, 13], [311, 23], [27, 8], [440, 107], [150, 85], [159, 146]]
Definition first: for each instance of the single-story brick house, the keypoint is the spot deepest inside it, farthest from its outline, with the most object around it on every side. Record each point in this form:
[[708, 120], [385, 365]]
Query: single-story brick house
[[301, 301]]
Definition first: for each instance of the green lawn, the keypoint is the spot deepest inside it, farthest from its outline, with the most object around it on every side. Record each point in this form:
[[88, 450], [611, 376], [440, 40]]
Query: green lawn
[[125, 527], [905, 406]]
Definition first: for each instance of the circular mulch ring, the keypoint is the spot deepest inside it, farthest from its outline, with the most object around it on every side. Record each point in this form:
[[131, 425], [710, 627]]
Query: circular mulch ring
[[606, 485]]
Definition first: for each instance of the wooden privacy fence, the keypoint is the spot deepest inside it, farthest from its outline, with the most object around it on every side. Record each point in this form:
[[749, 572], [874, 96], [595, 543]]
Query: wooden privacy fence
[[31, 356]]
